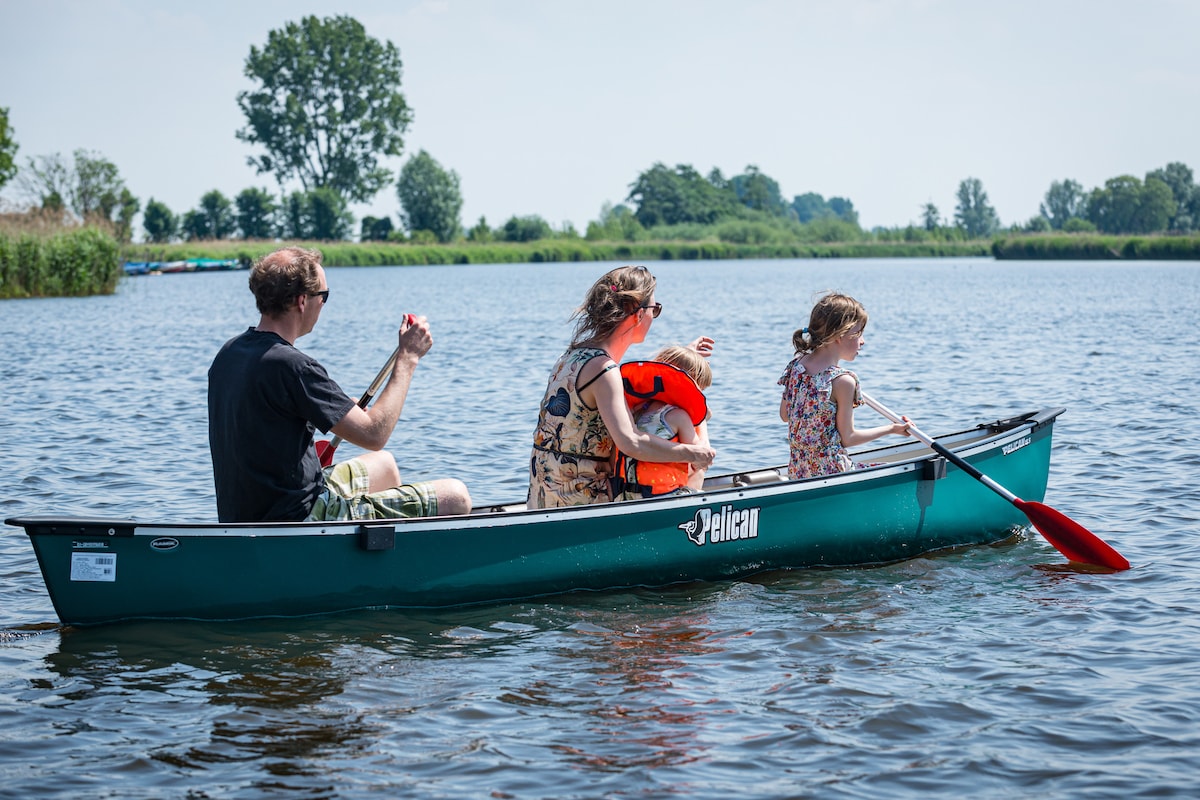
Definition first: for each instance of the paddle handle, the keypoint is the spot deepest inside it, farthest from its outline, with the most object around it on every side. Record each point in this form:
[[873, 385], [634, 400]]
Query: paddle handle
[[941, 450]]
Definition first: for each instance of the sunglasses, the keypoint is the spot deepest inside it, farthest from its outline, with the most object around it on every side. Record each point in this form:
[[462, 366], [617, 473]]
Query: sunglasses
[[323, 294], [655, 309]]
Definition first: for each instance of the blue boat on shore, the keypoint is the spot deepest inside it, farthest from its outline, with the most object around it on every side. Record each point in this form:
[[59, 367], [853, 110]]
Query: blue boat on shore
[[185, 265]]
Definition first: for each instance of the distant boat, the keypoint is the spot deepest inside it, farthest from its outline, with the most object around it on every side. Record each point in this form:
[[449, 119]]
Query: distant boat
[[186, 265]]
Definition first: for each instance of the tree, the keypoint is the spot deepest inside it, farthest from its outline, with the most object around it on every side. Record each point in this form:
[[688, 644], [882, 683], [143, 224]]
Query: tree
[[672, 197], [8, 149], [757, 191], [526, 229], [126, 207], [318, 214], [160, 223], [810, 206], [1178, 177], [430, 198], [931, 218], [217, 211], [328, 106], [1064, 200], [974, 214], [88, 185], [1126, 205], [375, 229], [843, 209], [480, 232], [256, 210]]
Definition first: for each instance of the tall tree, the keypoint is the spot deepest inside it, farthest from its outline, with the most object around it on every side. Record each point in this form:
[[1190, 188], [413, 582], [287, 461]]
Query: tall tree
[[974, 213], [810, 206], [758, 191], [8, 149], [1126, 205], [931, 218], [256, 210], [671, 197], [1064, 200], [1178, 176], [88, 185], [328, 106], [319, 214], [217, 211], [430, 197], [160, 222]]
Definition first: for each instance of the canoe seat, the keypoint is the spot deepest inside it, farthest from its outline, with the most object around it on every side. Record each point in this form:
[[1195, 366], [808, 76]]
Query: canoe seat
[[757, 478]]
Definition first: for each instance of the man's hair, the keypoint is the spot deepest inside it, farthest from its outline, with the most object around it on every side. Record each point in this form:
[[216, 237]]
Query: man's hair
[[278, 278]]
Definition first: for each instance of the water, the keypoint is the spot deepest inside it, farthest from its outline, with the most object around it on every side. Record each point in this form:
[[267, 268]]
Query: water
[[979, 672]]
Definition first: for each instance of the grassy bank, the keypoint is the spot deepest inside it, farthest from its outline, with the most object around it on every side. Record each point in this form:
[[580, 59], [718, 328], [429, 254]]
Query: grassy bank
[[67, 263], [1091, 247], [350, 254]]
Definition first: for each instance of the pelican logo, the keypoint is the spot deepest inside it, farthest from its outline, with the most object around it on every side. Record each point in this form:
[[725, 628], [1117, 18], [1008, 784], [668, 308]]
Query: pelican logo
[[1013, 447], [164, 543], [726, 525]]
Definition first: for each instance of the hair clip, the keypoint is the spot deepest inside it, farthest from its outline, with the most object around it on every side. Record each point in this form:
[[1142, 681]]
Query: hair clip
[[613, 287]]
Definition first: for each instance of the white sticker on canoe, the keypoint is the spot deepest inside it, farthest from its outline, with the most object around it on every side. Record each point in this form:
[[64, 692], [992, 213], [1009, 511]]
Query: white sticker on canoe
[[93, 566], [727, 525], [1013, 447]]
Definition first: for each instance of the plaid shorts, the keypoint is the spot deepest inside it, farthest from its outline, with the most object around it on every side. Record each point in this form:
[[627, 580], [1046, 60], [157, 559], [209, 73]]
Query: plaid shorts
[[346, 497]]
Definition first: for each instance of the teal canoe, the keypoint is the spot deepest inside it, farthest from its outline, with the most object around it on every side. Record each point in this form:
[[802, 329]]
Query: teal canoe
[[909, 503]]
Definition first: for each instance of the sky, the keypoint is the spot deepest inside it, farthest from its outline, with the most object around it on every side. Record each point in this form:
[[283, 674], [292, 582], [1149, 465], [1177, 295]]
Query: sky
[[554, 107]]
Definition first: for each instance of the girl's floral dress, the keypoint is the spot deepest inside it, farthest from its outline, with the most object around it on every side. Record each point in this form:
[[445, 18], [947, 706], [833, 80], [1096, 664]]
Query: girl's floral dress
[[572, 461], [816, 445]]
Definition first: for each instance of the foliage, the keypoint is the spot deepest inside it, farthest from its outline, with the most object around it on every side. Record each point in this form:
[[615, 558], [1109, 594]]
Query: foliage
[[375, 229], [213, 219], [8, 149], [525, 229], [480, 233], [430, 197], [756, 191], [327, 108], [256, 211], [88, 186], [160, 222], [317, 214], [72, 262], [974, 213], [1126, 205], [1065, 200], [1178, 177], [1090, 246], [931, 218], [670, 197], [616, 223]]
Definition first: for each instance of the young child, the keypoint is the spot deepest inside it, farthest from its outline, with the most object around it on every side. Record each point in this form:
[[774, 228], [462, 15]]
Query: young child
[[819, 396], [666, 398]]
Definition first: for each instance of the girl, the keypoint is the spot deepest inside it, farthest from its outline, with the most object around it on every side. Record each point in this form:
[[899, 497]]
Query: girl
[[819, 396], [666, 397], [583, 417]]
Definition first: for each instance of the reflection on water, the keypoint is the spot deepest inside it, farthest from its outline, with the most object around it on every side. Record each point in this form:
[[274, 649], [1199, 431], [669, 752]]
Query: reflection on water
[[985, 671]]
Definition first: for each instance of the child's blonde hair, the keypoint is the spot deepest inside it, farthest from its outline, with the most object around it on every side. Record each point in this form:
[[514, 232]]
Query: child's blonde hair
[[688, 360], [833, 315]]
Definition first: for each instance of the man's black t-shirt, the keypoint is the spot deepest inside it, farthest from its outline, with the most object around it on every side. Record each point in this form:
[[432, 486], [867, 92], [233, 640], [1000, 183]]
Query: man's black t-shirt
[[265, 398]]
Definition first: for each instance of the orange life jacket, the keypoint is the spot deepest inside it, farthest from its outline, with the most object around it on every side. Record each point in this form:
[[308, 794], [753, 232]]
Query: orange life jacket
[[647, 381]]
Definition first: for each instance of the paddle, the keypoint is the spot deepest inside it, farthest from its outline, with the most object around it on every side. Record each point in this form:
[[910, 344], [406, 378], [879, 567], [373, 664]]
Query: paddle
[[1070, 538], [325, 447]]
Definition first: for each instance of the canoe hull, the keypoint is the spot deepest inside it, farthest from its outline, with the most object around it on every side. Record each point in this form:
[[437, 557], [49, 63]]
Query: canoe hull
[[100, 571]]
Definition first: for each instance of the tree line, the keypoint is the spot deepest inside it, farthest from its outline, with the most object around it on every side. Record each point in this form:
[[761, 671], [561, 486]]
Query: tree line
[[326, 107]]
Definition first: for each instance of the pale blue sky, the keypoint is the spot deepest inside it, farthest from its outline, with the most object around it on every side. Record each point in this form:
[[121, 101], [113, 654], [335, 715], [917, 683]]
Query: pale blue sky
[[553, 107]]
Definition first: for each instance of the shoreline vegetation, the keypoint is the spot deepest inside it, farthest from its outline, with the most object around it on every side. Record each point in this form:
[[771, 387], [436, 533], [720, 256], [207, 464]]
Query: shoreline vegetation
[[87, 260]]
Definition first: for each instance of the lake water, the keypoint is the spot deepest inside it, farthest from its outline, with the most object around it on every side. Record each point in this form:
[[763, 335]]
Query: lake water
[[979, 672]]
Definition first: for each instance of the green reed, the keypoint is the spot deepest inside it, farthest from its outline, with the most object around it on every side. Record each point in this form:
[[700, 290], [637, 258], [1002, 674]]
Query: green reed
[[71, 262]]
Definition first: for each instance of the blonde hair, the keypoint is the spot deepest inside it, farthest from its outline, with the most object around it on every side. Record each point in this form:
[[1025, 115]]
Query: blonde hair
[[619, 293], [834, 315], [688, 360]]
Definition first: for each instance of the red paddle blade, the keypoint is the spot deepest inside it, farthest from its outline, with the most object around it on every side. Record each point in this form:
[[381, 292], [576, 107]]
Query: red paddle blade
[[1070, 538], [324, 452]]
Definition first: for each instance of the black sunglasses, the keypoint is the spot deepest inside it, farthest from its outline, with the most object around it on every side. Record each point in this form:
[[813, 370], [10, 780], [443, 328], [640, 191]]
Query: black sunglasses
[[655, 309], [323, 294]]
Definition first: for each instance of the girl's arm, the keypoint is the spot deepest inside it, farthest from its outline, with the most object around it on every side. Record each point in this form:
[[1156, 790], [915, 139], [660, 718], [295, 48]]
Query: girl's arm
[[843, 395]]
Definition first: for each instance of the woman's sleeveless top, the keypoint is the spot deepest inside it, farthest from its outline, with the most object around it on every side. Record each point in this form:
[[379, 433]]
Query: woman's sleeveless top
[[816, 446], [571, 464]]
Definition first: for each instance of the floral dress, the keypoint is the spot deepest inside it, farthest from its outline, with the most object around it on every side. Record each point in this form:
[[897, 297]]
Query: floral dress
[[573, 451], [815, 442]]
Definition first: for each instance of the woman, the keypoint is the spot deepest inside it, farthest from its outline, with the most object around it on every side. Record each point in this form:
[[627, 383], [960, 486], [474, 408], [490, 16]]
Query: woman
[[584, 418]]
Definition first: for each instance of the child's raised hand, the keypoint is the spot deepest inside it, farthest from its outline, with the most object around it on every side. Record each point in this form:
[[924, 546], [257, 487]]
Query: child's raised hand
[[703, 345]]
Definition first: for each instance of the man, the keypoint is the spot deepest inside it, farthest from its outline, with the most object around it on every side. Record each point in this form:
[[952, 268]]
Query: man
[[265, 398]]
